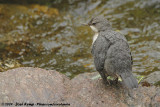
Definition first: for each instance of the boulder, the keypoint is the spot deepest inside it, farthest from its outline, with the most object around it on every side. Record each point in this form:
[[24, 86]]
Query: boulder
[[153, 78], [37, 87]]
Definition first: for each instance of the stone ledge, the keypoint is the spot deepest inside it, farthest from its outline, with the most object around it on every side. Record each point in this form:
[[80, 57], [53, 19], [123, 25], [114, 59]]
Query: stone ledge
[[35, 85]]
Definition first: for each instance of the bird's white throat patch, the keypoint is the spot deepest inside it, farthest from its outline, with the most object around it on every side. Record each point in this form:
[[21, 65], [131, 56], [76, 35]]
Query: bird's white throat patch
[[96, 33], [95, 37], [94, 29]]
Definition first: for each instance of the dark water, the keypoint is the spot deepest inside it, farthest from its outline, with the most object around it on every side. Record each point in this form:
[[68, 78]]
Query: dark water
[[51, 36]]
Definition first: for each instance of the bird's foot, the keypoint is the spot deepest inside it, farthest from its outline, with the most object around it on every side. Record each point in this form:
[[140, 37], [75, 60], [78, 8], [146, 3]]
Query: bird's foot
[[106, 82]]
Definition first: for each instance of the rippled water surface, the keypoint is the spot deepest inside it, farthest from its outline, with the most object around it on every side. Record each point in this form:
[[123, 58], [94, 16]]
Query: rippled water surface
[[51, 36]]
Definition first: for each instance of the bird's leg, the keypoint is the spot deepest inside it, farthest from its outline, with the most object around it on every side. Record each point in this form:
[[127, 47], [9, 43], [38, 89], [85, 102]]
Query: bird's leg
[[104, 77], [108, 82], [116, 80]]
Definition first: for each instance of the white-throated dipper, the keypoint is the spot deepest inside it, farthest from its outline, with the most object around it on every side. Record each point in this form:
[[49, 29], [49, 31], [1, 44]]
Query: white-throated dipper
[[111, 52]]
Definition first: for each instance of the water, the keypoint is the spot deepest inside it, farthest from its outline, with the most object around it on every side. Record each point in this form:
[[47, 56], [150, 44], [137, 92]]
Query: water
[[51, 36]]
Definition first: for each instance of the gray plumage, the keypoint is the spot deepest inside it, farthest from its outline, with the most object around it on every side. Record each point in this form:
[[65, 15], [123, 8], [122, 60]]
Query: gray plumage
[[111, 52]]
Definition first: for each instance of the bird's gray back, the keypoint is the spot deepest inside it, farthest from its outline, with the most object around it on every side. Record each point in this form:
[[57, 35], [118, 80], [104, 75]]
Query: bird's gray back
[[118, 57], [111, 51], [112, 36]]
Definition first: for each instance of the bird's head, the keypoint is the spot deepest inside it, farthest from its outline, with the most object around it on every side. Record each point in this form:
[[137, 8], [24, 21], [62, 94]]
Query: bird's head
[[99, 23]]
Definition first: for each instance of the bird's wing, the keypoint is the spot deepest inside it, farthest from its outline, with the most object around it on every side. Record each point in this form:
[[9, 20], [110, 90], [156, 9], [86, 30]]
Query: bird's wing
[[99, 51], [114, 36], [124, 39]]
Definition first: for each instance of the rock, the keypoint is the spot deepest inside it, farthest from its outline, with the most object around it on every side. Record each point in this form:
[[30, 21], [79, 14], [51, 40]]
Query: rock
[[32, 85], [35, 85], [153, 78]]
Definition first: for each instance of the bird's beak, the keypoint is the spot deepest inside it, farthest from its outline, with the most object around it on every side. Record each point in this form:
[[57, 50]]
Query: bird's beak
[[85, 24]]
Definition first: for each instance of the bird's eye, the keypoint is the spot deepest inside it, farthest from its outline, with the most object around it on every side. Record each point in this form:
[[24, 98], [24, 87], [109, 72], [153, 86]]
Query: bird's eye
[[93, 23]]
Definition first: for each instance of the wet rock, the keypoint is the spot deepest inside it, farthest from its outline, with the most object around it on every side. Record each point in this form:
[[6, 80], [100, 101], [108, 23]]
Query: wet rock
[[35, 85], [153, 78], [8, 64], [149, 3], [45, 9]]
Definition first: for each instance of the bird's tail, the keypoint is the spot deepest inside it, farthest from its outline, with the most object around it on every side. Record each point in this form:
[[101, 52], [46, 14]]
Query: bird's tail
[[128, 80]]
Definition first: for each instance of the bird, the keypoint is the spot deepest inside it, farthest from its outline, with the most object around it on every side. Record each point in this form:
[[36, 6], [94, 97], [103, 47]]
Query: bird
[[111, 53]]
